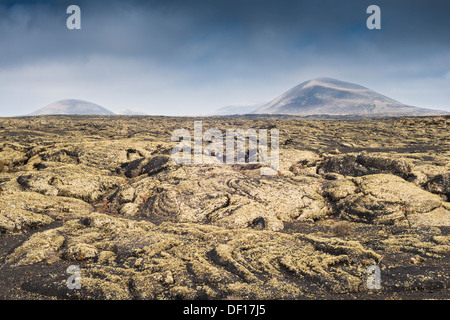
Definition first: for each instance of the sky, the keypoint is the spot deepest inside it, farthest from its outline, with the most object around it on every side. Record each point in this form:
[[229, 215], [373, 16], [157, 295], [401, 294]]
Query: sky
[[191, 57]]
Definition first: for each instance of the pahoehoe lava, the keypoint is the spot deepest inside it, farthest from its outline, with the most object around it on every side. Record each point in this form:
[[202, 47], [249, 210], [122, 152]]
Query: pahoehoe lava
[[102, 192]]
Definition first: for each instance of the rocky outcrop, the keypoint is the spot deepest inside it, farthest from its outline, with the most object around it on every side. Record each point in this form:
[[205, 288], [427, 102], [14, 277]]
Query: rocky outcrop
[[17, 220], [76, 181], [364, 164], [385, 199]]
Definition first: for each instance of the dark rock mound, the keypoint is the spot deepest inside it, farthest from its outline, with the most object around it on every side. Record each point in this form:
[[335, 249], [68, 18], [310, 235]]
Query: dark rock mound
[[148, 166], [364, 164]]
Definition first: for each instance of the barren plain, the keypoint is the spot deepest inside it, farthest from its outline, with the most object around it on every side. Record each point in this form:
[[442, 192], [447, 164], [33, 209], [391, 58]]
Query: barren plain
[[102, 193]]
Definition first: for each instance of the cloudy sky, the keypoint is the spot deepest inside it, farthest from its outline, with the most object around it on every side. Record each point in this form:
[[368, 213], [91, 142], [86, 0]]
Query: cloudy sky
[[180, 57]]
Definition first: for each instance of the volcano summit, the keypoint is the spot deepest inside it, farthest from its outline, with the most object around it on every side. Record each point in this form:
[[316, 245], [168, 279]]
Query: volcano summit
[[72, 106], [335, 97]]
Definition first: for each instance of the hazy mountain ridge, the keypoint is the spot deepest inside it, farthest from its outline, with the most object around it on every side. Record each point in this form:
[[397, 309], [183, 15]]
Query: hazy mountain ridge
[[236, 109], [320, 97], [131, 112]]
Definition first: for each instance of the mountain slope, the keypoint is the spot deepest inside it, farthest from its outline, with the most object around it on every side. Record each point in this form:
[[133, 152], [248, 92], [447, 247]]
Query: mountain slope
[[72, 106], [236, 109], [131, 112], [335, 97]]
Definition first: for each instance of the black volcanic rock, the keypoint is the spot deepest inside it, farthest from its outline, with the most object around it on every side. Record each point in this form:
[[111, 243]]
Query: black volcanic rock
[[72, 106], [335, 97]]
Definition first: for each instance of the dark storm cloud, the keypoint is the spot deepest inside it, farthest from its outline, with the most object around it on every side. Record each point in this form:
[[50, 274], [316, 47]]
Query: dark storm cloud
[[205, 29], [231, 42]]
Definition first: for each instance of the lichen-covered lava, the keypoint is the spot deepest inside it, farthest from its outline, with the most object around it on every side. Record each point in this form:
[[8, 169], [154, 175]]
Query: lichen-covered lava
[[102, 193]]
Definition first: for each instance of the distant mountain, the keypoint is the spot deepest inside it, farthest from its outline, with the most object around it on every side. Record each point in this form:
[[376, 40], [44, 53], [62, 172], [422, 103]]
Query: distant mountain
[[335, 97], [236, 109], [132, 112], [72, 106]]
